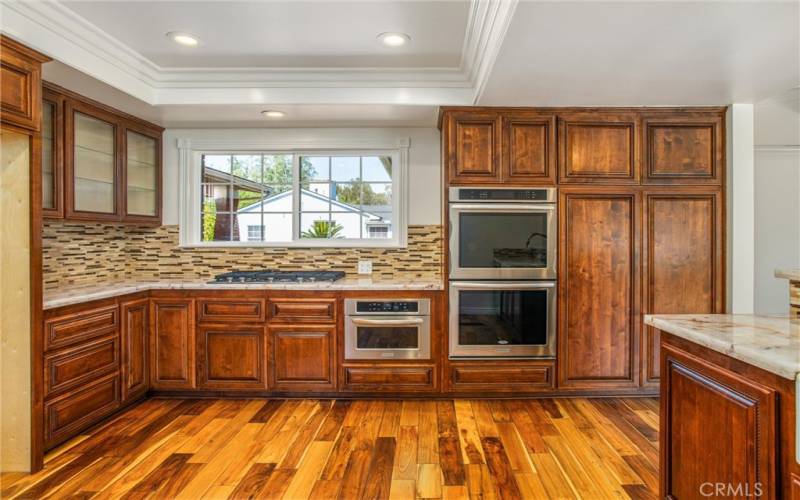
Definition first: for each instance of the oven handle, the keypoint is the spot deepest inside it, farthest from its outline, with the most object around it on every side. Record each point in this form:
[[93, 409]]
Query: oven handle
[[495, 285], [386, 322]]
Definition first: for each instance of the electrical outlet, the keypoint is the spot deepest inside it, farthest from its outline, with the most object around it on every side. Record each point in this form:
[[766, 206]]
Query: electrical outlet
[[364, 267]]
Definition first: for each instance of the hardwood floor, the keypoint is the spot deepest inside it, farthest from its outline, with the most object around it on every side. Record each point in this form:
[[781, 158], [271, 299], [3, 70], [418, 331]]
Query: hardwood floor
[[545, 448]]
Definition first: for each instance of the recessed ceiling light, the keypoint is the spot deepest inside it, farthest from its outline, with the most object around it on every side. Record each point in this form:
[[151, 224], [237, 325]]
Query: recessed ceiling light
[[394, 39], [185, 39], [273, 113]]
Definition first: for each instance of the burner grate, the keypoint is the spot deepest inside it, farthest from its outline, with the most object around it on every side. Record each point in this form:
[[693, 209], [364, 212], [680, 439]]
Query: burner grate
[[270, 276]]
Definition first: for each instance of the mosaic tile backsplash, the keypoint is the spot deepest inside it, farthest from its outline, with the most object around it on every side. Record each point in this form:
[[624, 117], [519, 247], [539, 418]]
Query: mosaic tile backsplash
[[90, 253]]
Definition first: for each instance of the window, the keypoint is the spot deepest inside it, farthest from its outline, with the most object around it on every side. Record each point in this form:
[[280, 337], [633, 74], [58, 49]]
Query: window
[[296, 198], [255, 233]]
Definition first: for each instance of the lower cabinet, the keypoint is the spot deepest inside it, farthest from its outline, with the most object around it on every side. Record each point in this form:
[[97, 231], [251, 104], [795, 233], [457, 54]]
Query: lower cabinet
[[135, 324], [302, 357], [68, 414], [717, 428], [389, 378], [511, 376], [172, 355], [231, 356]]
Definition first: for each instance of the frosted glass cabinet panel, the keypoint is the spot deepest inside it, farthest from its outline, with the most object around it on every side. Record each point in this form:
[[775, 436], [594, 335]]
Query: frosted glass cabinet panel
[[48, 156], [142, 175], [95, 165]]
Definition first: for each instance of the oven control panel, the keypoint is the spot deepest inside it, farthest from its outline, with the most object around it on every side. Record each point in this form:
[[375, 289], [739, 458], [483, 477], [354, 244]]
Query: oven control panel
[[399, 306], [502, 195]]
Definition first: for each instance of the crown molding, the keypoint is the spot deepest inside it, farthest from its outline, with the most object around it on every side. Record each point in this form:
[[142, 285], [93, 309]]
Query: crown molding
[[55, 30], [487, 24]]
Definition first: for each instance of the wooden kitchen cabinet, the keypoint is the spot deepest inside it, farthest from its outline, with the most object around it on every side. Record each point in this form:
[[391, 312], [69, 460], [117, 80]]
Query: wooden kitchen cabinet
[[598, 148], [683, 268], [20, 85], [99, 164], [529, 148], [231, 356], [303, 357], [473, 147], [172, 343], [134, 335], [684, 148], [598, 269], [717, 426]]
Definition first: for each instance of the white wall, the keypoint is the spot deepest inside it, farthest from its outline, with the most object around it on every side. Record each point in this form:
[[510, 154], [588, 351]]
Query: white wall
[[424, 190], [777, 198]]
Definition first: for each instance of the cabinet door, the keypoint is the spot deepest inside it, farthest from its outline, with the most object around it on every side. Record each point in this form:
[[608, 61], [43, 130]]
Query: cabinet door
[[684, 149], [142, 171], [716, 427], [598, 148], [529, 152], [597, 292], [302, 357], [172, 355], [231, 357], [20, 84], [135, 326], [92, 163], [473, 145], [683, 266], [52, 155]]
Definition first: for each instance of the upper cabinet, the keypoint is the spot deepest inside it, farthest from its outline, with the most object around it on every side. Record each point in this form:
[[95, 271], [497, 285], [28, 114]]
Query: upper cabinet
[[683, 148], [598, 147], [583, 146], [99, 164], [20, 85], [490, 148]]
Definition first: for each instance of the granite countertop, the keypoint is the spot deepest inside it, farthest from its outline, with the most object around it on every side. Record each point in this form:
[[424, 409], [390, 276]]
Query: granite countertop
[[85, 293], [789, 274], [768, 342]]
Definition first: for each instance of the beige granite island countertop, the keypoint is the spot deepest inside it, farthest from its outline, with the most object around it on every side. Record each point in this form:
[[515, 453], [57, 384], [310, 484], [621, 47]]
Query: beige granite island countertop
[[768, 342], [789, 274], [87, 293]]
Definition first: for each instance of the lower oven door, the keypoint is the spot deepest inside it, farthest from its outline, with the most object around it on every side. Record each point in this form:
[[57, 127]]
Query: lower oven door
[[387, 337], [500, 319]]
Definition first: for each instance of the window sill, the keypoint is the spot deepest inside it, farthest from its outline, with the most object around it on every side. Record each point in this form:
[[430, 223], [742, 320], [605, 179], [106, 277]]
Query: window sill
[[391, 244]]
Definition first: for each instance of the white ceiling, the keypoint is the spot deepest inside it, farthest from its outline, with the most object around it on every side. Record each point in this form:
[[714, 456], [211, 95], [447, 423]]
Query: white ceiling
[[285, 34], [646, 53], [463, 52]]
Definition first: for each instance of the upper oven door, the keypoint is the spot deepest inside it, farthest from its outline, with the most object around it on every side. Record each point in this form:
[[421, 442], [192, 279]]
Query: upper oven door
[[502, 241]]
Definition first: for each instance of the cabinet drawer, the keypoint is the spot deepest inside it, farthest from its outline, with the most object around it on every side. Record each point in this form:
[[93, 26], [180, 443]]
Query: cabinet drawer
[[388, 378], [72, 328], [71, 367], [502, 377], [231, 310], [294, 310], [71, 413]]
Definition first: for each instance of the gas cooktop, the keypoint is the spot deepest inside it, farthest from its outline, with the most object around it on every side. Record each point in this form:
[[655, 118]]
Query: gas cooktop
[[269, 276]]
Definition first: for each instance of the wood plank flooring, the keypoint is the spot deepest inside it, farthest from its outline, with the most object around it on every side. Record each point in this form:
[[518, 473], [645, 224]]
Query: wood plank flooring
[[545, 448]]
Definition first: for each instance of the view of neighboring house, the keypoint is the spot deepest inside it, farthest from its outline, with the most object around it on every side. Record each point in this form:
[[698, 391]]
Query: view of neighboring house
[[237, 208]]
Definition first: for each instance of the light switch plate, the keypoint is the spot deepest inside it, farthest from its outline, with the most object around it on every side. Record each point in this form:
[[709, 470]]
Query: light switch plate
[[364, 267]]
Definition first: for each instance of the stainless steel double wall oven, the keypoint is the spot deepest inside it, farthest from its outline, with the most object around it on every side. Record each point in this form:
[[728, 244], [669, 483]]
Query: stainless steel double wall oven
[[502, 272]]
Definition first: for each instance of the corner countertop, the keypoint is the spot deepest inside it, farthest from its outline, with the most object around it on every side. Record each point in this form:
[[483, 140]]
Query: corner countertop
[[86, 293], [768, 342], [789, 274]]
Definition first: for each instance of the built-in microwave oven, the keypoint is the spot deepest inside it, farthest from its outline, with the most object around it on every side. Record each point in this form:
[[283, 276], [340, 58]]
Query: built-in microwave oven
[[387, 329], [502, 233]]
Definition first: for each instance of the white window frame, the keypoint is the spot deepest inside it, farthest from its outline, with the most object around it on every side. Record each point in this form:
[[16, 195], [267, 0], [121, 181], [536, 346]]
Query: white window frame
[[190, 164]]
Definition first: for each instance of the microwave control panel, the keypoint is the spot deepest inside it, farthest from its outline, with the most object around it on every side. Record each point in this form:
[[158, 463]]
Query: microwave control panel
[[399, 306]]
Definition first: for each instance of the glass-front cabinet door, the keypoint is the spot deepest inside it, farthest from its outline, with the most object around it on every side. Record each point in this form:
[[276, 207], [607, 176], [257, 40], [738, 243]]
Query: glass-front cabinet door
[[51, 158], [141, 175], [94, 171]]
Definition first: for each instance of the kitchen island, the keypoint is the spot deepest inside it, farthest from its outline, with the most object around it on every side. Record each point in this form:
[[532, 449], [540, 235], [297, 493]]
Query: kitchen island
[[729, 416]]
